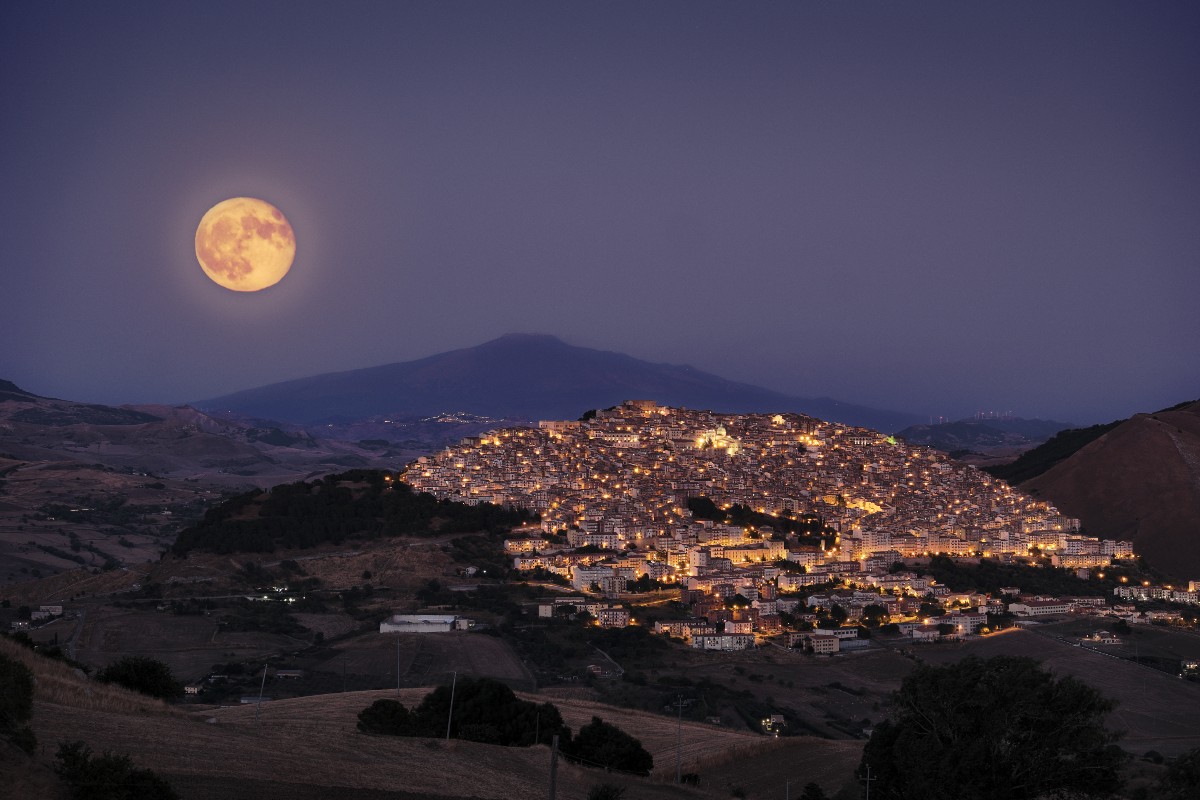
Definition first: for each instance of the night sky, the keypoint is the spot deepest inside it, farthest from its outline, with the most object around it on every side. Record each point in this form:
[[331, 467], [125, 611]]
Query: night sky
[[931, 207]]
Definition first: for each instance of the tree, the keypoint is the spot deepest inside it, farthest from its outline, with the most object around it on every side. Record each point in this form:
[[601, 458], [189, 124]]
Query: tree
[[605, 791], [390, 718], [1001, 728], [813, 791], [874, 615], [16, 703], [931, 608], [142, 674], [1182, 778], [485, 710], [108, 777], [601, 744]]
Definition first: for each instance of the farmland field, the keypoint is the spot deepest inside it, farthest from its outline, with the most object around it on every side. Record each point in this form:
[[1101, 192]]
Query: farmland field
[[1157, 711], [188, 644], [428, 658]]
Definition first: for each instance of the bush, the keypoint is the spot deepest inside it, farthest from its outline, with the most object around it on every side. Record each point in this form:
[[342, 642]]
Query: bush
[[390, 718], [1182, 778], [142, 674], [16, 703], [605, 791], [108, 777], [485, 711], [1000, 729], [485, 702], [604, 745]]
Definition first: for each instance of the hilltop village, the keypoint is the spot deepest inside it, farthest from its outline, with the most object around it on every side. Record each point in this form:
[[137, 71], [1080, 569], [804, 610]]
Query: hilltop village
[[626, 498]]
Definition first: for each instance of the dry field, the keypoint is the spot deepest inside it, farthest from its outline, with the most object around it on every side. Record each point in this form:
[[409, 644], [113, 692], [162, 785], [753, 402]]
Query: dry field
[[309, 747], [64, 586], [428, 659], [831, 695], [402, 563], [189, 645]]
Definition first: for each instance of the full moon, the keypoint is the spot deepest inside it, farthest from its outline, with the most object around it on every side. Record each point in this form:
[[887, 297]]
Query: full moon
[[245, 244]]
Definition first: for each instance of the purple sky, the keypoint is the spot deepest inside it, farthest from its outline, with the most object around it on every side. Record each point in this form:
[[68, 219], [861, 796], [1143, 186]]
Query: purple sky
[[932, 207]]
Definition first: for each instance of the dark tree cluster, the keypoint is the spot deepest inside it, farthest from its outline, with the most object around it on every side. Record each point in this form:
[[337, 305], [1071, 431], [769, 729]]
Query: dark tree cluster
[[990, 575], [745, 516], [361, 504], [108, 776], [600, 744], [1000, 729], [633, 643], [16, 703], [487, 711], [142, 674]]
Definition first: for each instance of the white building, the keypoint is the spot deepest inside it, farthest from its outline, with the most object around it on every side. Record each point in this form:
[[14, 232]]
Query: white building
[[423, 623], [723, 641]]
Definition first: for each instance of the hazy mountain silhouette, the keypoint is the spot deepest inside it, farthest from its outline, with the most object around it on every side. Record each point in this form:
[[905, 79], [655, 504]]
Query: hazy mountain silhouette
[[976, 434], [525, 376]]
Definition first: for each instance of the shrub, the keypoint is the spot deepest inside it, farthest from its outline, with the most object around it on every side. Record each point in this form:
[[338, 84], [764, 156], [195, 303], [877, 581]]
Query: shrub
[[16, 703], [601, 744], [1000, 729], [485, 710], [142, 674], [605, 791], [108, 777], [390, 718], [1181, 778]]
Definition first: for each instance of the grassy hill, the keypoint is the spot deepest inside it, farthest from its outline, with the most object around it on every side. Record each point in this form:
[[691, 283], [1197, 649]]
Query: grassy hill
[[1140, 481], [309, 747], [1058, 448], [360, 504]]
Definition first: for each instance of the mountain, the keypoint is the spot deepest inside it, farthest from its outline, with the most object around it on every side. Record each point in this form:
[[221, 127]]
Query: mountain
[[982, 434], [524, 376], [1138, 481], [1062, 445]]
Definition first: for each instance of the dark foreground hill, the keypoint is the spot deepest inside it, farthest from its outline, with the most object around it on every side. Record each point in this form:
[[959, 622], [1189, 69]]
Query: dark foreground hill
[[1139, 480], [529, 377], [309, 747]]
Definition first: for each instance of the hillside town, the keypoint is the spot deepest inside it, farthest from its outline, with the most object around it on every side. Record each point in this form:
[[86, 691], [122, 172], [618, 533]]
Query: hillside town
[[830, 505]]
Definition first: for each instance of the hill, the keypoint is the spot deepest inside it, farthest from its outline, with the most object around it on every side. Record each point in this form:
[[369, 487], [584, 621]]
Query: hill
[[363, 504], [522, 376], [981, 435], [90, 485], [1061, 446], [1139, 480], [309, 747]]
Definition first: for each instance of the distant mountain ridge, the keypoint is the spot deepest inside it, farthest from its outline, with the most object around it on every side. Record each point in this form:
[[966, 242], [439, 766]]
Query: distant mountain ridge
[[525, 376], [976, 434]]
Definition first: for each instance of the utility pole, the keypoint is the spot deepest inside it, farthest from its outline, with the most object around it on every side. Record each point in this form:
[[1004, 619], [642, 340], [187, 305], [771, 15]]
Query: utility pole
[[450, 716], [553, 764], [787, 790], [679, 739], [867, 781], [261, 687]]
